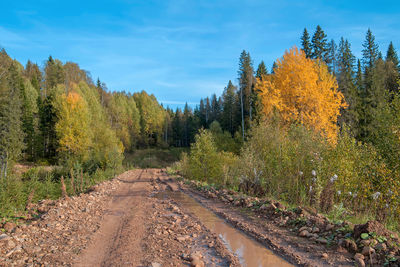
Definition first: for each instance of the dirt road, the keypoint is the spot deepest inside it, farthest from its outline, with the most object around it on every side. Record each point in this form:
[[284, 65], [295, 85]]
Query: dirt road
[[139, 229], [145, 218]]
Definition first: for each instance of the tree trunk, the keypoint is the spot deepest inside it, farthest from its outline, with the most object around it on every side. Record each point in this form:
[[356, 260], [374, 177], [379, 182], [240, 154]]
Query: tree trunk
[[241, 106]]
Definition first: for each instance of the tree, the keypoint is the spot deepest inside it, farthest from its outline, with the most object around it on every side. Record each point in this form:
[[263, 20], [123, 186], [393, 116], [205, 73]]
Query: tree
[[319, 44], [246, 80], [151, 118], [305, 43], [54, 75], [261, 70], [229, 108], [273, 67], [303, 91], [72, 127], [30, 113], [391, 55], [345, 77], [11, 134], [370, 51], [330, 58]]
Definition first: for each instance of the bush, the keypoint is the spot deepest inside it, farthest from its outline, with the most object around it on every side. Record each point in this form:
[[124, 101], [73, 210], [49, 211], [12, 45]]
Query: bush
[[205, 163]]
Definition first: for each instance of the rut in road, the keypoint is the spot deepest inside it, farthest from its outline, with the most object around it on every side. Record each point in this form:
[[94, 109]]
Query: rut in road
[[117, 242]]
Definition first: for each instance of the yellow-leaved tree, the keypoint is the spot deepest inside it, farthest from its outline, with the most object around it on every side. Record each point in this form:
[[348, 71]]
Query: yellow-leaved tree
[[72, 127], [303, 91]]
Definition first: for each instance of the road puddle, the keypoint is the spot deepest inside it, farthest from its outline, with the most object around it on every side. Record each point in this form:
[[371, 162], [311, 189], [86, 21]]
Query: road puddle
[[250, 252]]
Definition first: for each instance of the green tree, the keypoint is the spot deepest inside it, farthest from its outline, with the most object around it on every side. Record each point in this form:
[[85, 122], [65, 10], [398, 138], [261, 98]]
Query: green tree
[[305, 43], [319, 44], [246, 84], [391, 55], [370, 51], [151, 118], [261, 70], [331, 56], [345, 77], [30, 113], [11, 134], [54, 75], [204, 158], [230, 107]]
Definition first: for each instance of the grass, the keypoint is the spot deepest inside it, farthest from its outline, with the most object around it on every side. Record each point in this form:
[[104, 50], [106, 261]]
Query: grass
[[45, 182]]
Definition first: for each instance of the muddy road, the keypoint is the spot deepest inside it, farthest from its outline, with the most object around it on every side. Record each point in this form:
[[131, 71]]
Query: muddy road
[[145, 218]]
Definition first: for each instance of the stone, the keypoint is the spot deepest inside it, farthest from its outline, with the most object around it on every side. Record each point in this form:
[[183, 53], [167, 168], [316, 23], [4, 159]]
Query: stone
[[10, 244], [304, 233], [4, 237], [14, 250], [329, 227], [322, 240], [367, 251], [303, 228], [350, 245], [324, 255], [9, 227], [359, 255], [359, 262], [155, 264], [315, 230]]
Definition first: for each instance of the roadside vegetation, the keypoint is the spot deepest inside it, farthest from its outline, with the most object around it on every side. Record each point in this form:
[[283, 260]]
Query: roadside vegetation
[[325, 134]]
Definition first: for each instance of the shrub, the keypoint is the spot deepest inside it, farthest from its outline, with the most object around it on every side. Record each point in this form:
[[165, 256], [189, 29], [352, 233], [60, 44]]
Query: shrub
[[205, 163]]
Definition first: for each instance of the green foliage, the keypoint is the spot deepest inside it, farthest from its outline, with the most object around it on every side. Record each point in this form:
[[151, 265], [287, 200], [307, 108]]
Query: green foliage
[[205, 163], [44, 182], [153, 157], [305, 43], [319, 44]]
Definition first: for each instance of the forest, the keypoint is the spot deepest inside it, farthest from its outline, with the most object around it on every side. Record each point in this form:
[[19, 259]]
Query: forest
[[319, 128]]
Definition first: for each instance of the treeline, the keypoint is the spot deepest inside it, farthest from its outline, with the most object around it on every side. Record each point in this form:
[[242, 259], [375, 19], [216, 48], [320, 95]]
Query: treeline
[[367, 84], [57, 114]]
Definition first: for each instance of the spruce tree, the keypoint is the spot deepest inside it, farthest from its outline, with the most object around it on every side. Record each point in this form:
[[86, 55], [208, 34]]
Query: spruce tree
[[319, 44], [370, 51], [391, 55], [331, 55], [273, 67], [261, 70], [246, 80], [347, 85], [305, 43], [11, 134], [229, 109]]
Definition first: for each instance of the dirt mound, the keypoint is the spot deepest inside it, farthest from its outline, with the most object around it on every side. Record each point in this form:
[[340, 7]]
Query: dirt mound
[[370, 227]]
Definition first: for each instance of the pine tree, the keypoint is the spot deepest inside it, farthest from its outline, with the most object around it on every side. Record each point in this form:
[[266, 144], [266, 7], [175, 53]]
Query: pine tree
[[261, 70], [391, 55], [319, 44], [305, 43]]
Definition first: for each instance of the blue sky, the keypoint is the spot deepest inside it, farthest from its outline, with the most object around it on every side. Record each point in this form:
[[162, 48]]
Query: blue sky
[[181, 50]]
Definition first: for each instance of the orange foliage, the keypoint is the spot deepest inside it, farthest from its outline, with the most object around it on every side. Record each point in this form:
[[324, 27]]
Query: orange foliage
[[302, 90]]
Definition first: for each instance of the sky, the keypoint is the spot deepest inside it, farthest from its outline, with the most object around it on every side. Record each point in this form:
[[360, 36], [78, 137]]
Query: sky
[[178, 50]]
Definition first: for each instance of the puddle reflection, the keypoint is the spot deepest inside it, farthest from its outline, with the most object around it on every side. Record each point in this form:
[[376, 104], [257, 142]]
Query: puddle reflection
[[250, 252]]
